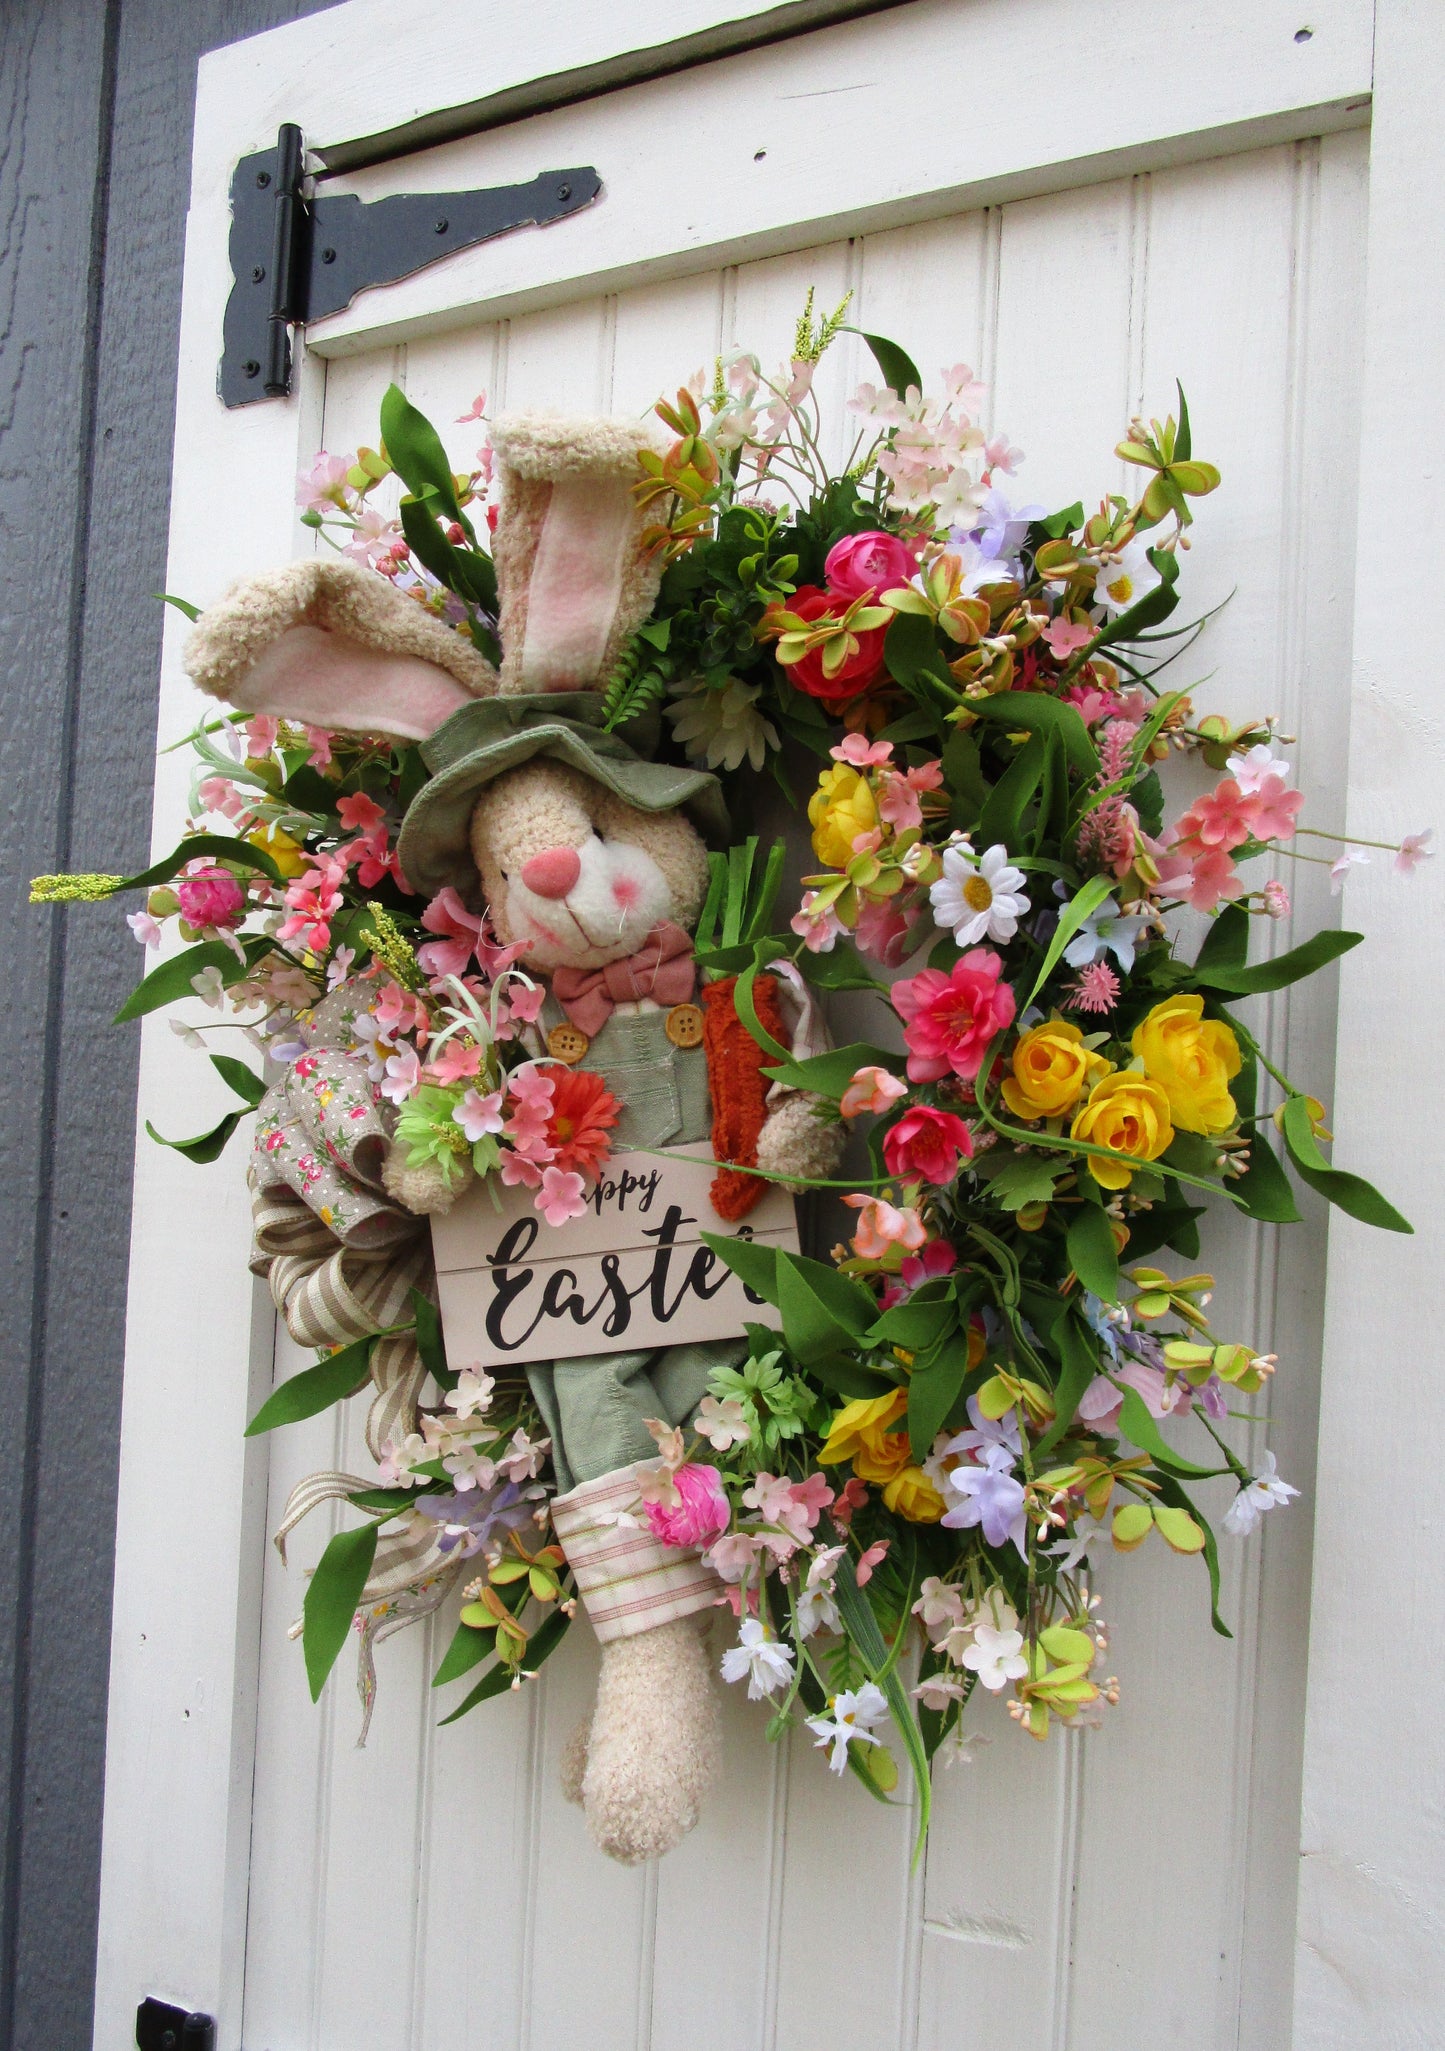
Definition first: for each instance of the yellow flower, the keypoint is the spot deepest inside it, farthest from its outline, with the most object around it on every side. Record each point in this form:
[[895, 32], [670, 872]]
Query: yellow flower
[[288, 854], [1051, 1070], [860, 1433], [1193, 1058], [840, 808], [912, 1495], [1129, 1114]]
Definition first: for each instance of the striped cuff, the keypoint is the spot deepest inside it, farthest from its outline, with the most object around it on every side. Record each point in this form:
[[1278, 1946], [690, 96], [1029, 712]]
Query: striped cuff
[[629, 1581]]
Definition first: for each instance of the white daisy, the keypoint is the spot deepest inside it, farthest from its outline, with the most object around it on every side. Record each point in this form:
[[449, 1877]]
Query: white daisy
[[978, 897], [1125, 578]]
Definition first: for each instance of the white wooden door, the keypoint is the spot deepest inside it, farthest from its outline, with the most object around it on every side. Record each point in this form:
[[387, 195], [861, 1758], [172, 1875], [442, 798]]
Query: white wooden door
[[1085, 201]]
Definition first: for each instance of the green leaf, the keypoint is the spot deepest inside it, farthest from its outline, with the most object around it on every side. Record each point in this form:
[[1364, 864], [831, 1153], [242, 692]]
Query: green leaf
[[207, 1146], [1079, 1357], [1031, 712], [429, 1342], [1092, 1255], [1226, 944], [1002, 818], [822, 1310], [192, 612], [755, 1266], [828, 1075], [1063, 522], [1139, 1428], [221, 847], [315, 1388], [1349, 1193], [1080, 907], [238, 1077], [898, 368], [169, 983], [862, 1628], [747, 1010], [1165, 1224], [842, 968], [1183, 440], [843, 1374], [1016, 1179], [332, 1599], [963, 778], [1171, 1492], [542, 1643], [917, 1326], [1315, 954], [468, 1649], [932, 1392], [1264, 1187], [416, 453]]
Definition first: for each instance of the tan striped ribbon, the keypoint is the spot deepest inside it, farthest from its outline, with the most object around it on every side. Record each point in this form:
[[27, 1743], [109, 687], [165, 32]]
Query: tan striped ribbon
[[629, 1580], [331, 1294]]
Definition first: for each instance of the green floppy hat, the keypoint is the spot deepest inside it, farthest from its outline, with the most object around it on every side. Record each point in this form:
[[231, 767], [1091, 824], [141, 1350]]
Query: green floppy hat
[[491, 735]]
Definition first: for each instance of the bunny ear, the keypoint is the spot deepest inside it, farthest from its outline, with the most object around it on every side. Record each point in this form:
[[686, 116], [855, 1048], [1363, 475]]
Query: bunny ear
[[332, 644], [574, 578]]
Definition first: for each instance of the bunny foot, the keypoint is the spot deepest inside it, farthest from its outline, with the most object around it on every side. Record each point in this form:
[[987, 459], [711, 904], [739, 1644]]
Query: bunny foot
[[654, 1742]]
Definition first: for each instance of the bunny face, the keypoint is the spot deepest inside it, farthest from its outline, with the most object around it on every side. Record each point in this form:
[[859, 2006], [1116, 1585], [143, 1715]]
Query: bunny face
[[577, 875]]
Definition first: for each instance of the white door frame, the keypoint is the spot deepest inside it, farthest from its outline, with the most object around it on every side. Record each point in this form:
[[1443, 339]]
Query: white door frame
[[1139, 90]]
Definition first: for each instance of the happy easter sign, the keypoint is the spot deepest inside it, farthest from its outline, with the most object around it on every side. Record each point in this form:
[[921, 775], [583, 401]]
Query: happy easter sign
[[632, 1272]]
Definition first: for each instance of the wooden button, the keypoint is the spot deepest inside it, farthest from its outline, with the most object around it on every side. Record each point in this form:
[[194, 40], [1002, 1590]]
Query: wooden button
[[684, 1025], [567, 1043]]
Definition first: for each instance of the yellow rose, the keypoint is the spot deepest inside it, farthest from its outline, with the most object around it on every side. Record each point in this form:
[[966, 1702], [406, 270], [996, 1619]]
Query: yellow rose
[[288, 854], [860, 1423], [840, 808], [1051, 1070], [1129, 1114], [1192, 1058], [912, 1495]]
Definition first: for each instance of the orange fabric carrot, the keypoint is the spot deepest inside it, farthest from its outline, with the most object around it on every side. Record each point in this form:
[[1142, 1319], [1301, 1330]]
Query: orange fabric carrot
[[735, 1064]]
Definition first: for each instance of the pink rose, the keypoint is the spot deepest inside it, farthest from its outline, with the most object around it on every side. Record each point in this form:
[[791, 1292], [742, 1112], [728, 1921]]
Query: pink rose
[[861, 563], [211, 897], [886, 930], [926, 1145], [949, 1020], [700, 1515]]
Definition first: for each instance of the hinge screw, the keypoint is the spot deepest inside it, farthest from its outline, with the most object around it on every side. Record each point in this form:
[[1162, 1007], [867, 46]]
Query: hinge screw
[[250, 368], [564, 192], [258, 272], [328, 256], [263, 179], [442, 224]]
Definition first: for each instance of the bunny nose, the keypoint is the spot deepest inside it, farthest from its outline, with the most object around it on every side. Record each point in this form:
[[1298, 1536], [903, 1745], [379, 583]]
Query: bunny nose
[[552, 873]]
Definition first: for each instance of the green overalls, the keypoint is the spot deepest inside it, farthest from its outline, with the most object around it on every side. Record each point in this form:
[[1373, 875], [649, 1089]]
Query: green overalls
[[594, 1407]]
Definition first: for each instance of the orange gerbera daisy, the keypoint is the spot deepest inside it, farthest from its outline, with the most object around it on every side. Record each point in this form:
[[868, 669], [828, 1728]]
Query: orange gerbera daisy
[[583, 1112]]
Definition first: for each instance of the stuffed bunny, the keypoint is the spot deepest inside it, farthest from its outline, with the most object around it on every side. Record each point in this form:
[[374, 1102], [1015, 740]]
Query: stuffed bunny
[[583, 854]]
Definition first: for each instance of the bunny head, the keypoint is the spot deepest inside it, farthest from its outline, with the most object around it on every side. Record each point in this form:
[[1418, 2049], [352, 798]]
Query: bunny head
[[579, 848], [575, 873]]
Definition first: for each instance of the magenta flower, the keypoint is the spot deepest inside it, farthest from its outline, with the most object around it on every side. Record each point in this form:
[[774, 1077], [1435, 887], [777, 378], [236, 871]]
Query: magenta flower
[[700, 1512], [211, 896], [861, 564], [949, 1020], [447, 915], [926, 1145]]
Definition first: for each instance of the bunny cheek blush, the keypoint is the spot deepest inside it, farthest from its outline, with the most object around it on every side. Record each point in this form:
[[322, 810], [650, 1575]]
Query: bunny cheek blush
[[617, 894], [590, 862]]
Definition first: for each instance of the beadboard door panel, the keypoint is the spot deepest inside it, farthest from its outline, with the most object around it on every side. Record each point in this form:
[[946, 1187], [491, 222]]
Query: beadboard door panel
[[1133, 1884], [1076, 309]]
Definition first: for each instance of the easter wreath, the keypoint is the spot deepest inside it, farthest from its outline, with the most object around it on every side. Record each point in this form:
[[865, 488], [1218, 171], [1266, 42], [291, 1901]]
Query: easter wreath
[[897, 1484]]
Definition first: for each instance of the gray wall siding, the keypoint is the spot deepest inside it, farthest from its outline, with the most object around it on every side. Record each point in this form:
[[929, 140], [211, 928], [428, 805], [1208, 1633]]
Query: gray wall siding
[[95, 139]]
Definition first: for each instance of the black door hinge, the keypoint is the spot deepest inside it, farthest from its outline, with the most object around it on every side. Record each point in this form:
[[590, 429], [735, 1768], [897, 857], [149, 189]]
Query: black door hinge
[[161, 2026], [295, 257]]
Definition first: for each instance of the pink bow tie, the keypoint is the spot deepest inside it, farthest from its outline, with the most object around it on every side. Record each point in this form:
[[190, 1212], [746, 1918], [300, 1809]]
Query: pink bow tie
[[661, 969]]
